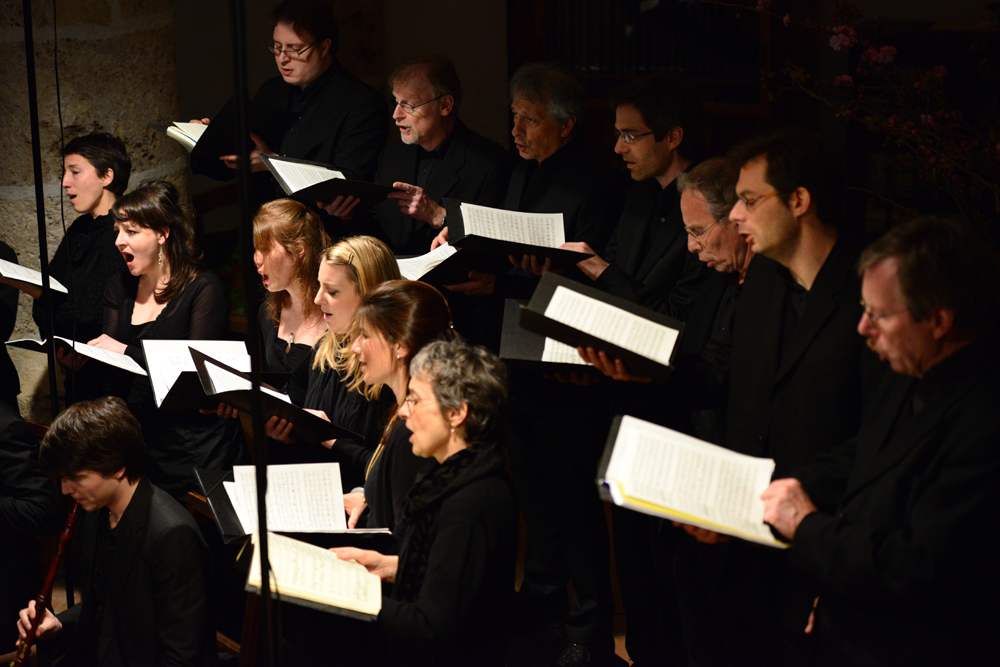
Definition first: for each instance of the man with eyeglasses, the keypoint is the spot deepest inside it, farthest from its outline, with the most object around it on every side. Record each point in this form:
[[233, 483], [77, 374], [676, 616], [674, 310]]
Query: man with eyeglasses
[[342, 119], [437, 157], [897, 527], [658, 125]]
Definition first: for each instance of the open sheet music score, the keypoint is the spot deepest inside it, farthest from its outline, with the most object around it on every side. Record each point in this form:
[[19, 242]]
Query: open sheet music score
[[658, 471], [186, 134], [122, 361], [301, 498], [15, 271], [651, 340], [561, 353], [299, 175], [314, 577], [538, 229], [166, 360], [581, 315]]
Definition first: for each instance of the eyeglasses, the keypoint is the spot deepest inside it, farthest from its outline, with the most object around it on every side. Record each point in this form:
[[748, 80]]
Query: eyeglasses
[[697, 235], [294, 54], [874, 317], [411, 401], [410, 108], [628, 138], [753, 202]]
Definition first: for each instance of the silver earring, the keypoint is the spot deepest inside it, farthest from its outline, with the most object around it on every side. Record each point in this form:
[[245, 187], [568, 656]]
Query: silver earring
[[159, 257]]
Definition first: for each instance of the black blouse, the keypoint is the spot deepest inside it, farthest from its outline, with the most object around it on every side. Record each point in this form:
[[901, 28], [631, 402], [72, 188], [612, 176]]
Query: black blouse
[[391, 476], [295, 361], [177, 441]]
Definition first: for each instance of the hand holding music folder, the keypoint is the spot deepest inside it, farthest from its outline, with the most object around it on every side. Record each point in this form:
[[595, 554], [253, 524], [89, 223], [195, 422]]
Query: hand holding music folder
[[501, 232], [233, 387], [312, 182], [579, 315], [447, 265], [118, 360], [655, 470]]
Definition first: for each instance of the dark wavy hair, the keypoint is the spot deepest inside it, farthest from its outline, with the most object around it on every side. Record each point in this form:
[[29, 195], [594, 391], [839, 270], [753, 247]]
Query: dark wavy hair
[[665, 101], [99, 435], [157, 205], [312, 18], [295, 227], [104, 152]]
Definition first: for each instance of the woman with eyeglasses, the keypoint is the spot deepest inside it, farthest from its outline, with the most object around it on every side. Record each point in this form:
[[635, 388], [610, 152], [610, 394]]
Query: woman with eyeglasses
[[166, 294], [457, 530]]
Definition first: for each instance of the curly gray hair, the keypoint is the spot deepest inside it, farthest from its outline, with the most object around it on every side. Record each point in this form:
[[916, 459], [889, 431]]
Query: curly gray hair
[[460, 373]]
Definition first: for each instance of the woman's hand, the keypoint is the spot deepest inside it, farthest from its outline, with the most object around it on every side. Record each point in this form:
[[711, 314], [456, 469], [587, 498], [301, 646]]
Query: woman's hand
[[384, 566], [280, 429], [354, 505], [106, 342]]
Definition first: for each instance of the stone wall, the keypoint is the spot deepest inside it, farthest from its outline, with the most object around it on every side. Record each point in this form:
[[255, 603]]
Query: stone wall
[[117, 73]]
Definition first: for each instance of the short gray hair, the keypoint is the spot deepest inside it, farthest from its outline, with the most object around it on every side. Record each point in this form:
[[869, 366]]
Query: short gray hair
[[460, 373], [562, 94], [716, 180]]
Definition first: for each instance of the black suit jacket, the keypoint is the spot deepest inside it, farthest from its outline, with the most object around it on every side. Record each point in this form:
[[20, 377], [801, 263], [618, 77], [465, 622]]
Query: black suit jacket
[[27, 511], [907, 563], [793, 408], [648, 256], [159, 598], [472, 169]]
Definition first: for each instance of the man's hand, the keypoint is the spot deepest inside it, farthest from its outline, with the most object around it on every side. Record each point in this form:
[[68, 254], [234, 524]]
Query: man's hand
[[417, 204], [48, 628], [479, 284], [200, 121], [224, 410], [613, 369], [70, 359], [786, 503], [440, 239], [592, 267], [342, 207], [106, 342], [384, 566], [280, 429], [256, 164], [531, 263], [354, 505], [703, 535]]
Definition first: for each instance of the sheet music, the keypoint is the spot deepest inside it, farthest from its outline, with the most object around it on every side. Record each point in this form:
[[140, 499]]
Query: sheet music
[[301, 498], [414, 268], [299, 176], [167, 359], [592, 316], [122, 361], [25, 275], [691, 480], [222, 381], [540, 229], [313, 573], [561, 353]]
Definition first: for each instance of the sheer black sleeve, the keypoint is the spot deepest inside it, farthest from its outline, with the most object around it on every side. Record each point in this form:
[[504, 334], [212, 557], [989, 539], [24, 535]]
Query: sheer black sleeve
[[209, 308]]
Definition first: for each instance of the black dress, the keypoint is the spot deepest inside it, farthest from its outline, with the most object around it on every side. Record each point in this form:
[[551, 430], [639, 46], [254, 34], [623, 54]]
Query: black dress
[[85, 262], [10, 384], [391, 474], [280, 358], [177, 441]]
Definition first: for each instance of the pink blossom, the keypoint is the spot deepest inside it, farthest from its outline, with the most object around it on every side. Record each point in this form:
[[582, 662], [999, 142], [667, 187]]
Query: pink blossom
[[838, 42], [881, 56], [787, 20], [843, 80]]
